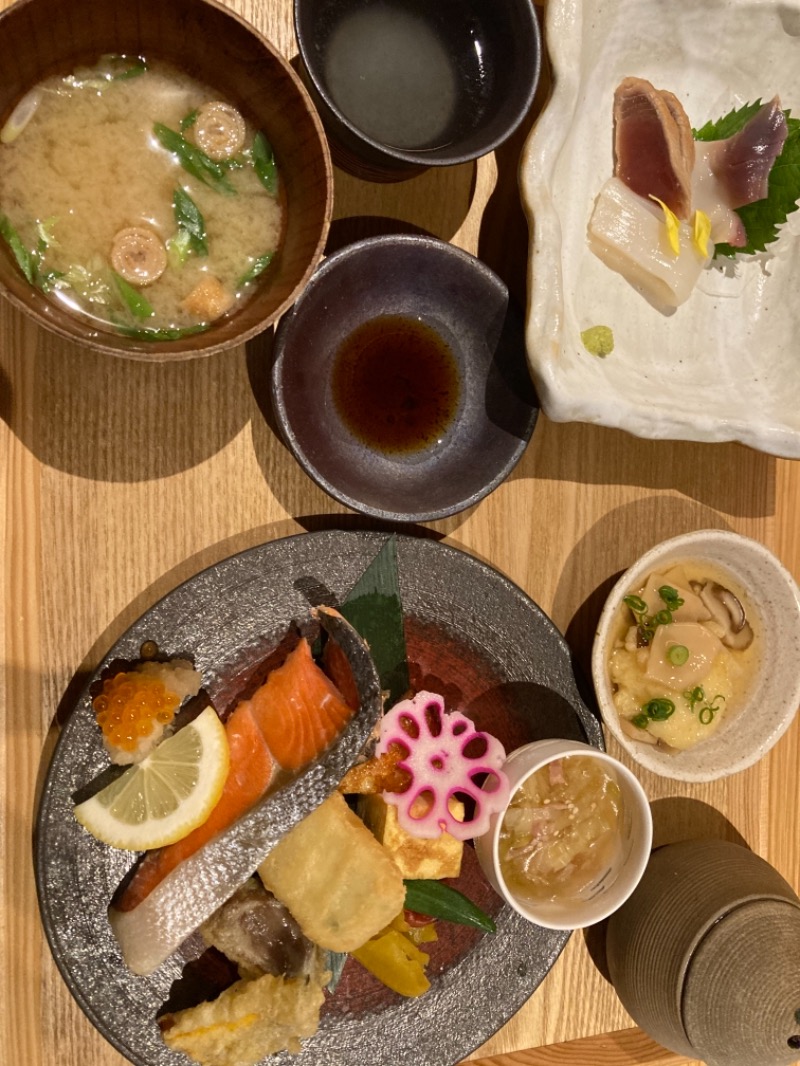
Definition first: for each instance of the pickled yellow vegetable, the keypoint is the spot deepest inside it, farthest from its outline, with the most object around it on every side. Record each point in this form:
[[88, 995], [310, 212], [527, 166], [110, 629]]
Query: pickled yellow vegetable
[[560, 832]]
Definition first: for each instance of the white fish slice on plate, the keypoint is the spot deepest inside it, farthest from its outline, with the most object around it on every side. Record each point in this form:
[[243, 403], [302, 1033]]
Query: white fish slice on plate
[[724, 365]]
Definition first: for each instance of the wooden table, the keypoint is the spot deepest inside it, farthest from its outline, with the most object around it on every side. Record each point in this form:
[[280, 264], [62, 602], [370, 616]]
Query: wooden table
[[118, 480]]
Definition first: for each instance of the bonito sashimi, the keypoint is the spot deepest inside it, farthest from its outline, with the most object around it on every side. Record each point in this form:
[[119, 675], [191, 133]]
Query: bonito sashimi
[[697, 188], [174, 890], [742, 163], [653, 144]]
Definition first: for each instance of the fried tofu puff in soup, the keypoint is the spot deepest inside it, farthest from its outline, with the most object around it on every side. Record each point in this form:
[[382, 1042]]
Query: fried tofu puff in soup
[[136, 198], [683, 657]]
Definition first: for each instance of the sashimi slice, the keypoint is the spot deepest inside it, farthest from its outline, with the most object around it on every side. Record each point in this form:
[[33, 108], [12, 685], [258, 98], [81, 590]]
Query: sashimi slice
[[709, 196], [299, 710], [627, 232], [742, 163], [249, 777], [653, 144]]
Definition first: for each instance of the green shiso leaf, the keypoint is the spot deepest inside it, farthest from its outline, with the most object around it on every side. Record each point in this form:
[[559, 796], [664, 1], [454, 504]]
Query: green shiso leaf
[[727, 125], [258, 267], [138, 305], [193, 161], [264, 163], [763, 218], [438, 900], [374, 609], [189, 219]]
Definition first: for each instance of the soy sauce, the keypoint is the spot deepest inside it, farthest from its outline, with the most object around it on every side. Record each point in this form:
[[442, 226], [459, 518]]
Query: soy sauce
[[396, 384]]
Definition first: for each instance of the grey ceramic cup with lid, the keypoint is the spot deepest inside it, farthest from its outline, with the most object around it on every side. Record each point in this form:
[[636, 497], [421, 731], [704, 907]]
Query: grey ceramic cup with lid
[[705, 955]]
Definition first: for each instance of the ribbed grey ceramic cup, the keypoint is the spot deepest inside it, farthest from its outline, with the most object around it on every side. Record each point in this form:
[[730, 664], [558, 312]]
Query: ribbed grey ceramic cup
[[705, 955]]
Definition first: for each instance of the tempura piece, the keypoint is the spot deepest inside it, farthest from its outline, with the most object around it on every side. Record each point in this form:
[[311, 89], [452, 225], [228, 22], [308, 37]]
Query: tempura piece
[[340, 885], [248, 1021]]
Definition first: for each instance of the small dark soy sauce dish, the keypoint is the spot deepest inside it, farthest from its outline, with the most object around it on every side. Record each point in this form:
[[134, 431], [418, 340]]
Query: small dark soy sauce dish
[[400, 381], [402, 85]]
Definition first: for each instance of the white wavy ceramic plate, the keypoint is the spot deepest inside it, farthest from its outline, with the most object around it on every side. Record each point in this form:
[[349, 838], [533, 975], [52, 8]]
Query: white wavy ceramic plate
[[726, 364]]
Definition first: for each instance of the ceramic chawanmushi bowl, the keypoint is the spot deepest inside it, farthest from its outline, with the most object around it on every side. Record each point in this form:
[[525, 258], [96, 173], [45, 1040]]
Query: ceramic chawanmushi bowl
[[584, 875], [412, 84], [399, 380], [696, 658], [204, 41]]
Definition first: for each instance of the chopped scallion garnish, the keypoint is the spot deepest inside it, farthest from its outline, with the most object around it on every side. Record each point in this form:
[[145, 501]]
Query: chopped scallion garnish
[[678, 654]]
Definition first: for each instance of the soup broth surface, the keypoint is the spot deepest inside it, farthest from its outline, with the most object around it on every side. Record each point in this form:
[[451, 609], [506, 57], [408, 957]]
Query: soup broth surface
[[90, 163], [560, 834]]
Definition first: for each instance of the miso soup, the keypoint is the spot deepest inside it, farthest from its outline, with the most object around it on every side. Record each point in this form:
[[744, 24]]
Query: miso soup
[[136, 197]]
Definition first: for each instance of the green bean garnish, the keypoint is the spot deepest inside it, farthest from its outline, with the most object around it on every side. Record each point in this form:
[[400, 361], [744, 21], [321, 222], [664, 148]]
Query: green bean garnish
[[193, 161], [189, 218], [138, 305], [257, 268], [264, 163]]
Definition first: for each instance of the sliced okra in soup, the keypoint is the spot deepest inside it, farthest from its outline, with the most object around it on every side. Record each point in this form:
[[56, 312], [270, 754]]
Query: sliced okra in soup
[[160, 252]]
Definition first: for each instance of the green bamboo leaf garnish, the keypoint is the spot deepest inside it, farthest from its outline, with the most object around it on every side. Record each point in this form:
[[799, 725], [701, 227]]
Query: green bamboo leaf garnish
[[763, 218], [255, 270], [138, 305], [189, 219], [373, 607], [438, 900], [193, 161], [264, 163]]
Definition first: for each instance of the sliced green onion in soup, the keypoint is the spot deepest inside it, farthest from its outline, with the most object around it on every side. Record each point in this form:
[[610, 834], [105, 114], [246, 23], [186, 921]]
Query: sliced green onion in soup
[[21, 115]]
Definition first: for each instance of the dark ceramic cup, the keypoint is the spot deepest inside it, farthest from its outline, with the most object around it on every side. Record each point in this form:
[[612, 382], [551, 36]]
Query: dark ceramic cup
[[406, 84]]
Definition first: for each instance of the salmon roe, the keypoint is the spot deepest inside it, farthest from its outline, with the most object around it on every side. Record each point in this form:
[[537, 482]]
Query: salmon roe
[[130, 706]]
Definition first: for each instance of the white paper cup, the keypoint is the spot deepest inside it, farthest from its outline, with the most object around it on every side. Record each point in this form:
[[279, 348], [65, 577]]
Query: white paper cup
[[615, 883]]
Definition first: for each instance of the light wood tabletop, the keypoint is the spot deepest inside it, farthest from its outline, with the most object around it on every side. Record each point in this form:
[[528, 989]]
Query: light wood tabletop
[[119, 479]]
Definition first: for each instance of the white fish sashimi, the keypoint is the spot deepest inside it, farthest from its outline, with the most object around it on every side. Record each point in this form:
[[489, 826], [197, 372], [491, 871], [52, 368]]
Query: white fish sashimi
[[628, 234]]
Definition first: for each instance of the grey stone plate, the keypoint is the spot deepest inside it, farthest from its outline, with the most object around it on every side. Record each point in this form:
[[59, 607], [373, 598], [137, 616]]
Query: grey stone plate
[[473, 636]]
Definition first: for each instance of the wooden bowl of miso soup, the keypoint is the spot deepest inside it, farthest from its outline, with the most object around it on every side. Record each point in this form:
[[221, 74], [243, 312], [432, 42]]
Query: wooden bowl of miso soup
[[165, 182]]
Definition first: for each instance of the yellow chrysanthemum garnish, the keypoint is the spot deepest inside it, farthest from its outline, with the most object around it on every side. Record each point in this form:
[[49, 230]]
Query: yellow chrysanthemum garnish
[[701, 232], [672, 224]]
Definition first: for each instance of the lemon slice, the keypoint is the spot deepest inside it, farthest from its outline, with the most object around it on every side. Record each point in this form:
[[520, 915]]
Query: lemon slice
[[165, 796]]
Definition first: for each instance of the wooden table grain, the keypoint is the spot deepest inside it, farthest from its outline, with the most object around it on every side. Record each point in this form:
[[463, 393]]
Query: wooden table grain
[[118, 480]]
